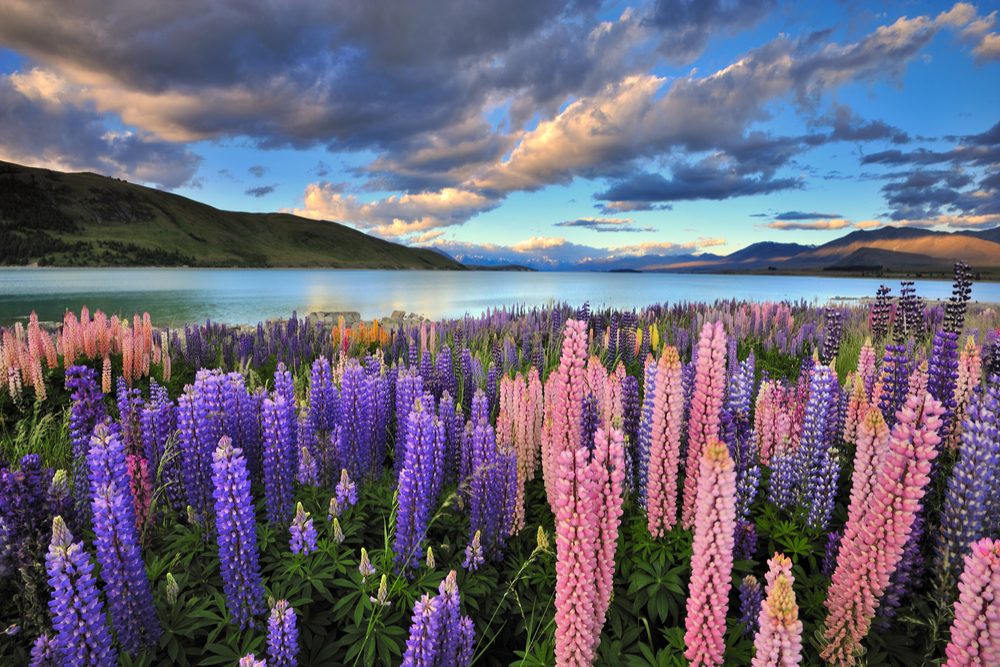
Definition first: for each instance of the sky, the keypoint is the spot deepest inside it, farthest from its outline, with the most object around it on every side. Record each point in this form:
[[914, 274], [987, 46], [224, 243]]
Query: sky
[[531, 131]]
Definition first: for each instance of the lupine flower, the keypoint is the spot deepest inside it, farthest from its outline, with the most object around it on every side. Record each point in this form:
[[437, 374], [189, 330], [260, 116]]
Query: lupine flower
[[970, 371], [86, 411], [703, 423], [712, 560], [818, 467], [236, 535], [751, 598], [834, 330], [894, 380], [141, 487], [665, 445], [873, 541], [974, 483], [333, 510], [23, 505], [159, 426], [429, 560], [279, 460], [381, 597], [645, 442], [409, 387], [474, 553], [347, 494], [440, 636], [942, 374], [308, 472], [44, 652], [200, 424], [303, 533], [831, 552], [779, 640], [172, 590], [116, 541], [492, 488], [362, 453], [420, 481], [82, 638], [324, 401], [564, 393], [282, 636], [250, 660], [975, 632], [365, 566]]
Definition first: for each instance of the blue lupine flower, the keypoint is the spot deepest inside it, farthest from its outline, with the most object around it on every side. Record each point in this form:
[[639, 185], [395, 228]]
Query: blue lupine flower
[[116, 541], [282, 636], [236, 535], [303, 533], [279, 460], [82, 636]]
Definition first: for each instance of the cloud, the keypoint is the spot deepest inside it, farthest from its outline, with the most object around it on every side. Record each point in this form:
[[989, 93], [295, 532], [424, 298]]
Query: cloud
[[42, 124], [260, 191], [812, 225], [687, 25], [710, 179], [257, 170], [848, 126], [801, 215], [605, 225], [397, 215]]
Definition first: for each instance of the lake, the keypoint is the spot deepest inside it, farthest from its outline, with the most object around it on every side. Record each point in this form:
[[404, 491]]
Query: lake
[[178, 296]]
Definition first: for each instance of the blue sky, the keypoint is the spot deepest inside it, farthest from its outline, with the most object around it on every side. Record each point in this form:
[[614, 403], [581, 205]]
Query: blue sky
[[533, 131]]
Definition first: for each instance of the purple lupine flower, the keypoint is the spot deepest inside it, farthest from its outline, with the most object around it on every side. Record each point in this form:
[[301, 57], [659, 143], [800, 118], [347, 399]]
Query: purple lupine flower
[[347, 493], [158, 421], [452, 425], [82, 638], [631, 410], [493, 388], [307, 473], [968, 512], [250, 660], [86, 412], [784, 479], [880, 312], [468, 378], [444, 373], [645, 427], [817, 463], [612, 353], [44, 652], [303, 533], [906, 575], [439, 633], [279, 460], [236, 535], [589, 421], [409, 387], [895, 377], [116, 541], [200, 423], [23, 504], [474, 553], [831, 553], [282, 636], [365, 566], [834, 331], [942, 374], [419, 482], [490, 489], [745, 540], [59, 500], [129, 402], [357, 410], [324, 401], [751, 599]]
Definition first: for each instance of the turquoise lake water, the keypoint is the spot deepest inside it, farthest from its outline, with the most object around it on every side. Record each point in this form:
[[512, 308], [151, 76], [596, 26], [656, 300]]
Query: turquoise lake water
[[177, 296]]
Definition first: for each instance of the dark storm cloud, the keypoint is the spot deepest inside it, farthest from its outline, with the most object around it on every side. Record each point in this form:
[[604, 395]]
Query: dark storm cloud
[[605, 225], [260, 191], [44, 131], [257, 170]]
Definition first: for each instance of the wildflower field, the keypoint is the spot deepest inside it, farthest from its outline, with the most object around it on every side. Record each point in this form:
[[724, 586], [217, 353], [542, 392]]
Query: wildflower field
[[721, 483]]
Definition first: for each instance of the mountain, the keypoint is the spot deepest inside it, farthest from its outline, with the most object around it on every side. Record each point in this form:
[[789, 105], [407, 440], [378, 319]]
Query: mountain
[[876, 259], [83, 219], [945, 246]]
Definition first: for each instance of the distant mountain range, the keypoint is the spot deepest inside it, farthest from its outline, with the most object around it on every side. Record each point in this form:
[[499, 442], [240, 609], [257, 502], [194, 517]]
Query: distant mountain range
[[889, 250], [83, 219]]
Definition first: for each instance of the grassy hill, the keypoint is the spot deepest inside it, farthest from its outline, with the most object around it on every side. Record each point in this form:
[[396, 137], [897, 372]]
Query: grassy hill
[[83, 219]]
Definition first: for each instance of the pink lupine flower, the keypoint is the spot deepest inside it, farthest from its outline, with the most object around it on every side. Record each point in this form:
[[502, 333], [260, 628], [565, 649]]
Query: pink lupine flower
[[970, 370], [872, 441], [975, 632], [564, 395], [665, 444], [712, 559], [866, 368], [918, 380], [588, 508], [873, 540], [703, 422], [142, 489], [857, 407], [779, 641]]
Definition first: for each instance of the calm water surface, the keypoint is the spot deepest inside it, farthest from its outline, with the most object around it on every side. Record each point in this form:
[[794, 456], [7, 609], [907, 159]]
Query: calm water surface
[[177, 296]]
